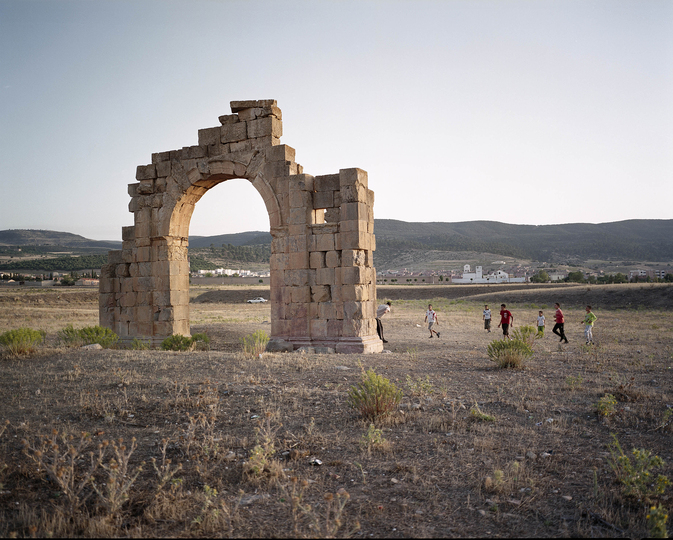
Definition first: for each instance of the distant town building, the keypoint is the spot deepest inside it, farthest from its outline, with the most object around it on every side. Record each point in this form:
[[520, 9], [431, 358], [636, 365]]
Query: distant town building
[[499, 276]]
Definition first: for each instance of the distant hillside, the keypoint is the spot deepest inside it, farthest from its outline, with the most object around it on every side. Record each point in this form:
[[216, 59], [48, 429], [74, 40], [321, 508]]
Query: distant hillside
[[238, 239], [639, 240], [399, 241], [53, 239]]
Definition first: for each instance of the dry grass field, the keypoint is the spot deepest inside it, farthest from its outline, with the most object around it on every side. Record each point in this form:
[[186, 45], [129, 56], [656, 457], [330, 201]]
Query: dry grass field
[[217, 443]]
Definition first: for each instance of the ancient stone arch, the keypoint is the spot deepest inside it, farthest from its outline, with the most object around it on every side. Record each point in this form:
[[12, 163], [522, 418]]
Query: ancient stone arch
[[323, 281]]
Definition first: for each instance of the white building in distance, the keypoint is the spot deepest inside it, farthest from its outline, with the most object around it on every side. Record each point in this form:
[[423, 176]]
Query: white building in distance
[[477, 277]]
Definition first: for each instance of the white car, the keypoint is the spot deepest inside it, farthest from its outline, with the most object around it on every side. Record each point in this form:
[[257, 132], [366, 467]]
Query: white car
[[258, 300]]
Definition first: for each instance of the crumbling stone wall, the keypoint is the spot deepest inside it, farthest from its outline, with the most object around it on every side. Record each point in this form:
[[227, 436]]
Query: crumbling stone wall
[[323, 281]]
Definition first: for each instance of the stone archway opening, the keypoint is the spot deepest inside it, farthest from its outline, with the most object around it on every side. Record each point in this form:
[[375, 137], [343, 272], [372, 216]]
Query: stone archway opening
[[323, 282]]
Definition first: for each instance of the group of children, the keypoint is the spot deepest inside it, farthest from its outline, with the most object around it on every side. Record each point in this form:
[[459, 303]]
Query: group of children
[[507, 320]]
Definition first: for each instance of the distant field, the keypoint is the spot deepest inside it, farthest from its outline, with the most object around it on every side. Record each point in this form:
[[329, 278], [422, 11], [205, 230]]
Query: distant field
[[472, 450]]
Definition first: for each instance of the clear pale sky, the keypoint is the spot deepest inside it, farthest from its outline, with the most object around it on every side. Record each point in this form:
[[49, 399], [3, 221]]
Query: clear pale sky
[[530, 112]]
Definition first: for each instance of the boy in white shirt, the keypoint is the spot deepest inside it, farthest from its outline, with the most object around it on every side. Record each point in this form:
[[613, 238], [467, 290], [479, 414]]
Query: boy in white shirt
[[431, 319], [540, 324], [380, 312], [487, 318]]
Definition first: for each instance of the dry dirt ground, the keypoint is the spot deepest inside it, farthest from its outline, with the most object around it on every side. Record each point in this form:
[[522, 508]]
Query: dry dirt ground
[[540, 467]]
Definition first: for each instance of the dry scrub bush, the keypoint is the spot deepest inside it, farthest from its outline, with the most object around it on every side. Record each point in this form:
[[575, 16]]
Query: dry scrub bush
[[325, 524], [261, 466], [21, 341], [509, 353], [375, 396], [255, 343], [119, 478], [63, 458]]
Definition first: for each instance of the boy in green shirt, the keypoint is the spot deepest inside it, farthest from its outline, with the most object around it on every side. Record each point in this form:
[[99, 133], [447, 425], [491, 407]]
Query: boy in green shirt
[[589, 320]]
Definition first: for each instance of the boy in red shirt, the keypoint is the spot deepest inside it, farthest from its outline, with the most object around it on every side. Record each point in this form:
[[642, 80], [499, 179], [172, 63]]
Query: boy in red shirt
[[506, 319], [558, 327]]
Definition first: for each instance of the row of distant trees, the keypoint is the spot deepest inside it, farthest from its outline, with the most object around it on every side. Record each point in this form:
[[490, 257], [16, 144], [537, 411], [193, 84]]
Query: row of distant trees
[[578, 277]]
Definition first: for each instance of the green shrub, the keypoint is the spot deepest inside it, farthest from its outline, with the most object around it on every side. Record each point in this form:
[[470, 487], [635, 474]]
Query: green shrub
[[255, 343], [656, 522], [527, 334], [201, 342], [607, 405], [634, 473], [105, 337], [22, 340], [177, 342], [509, 353], [374, 396], [139, 345], [69, 337], [76, 337]]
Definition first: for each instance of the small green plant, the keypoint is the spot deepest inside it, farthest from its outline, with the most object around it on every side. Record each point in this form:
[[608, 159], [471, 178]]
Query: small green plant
[[656, 522], [575, 383], [527, 334], [413, 353], [76, 337], [261, 465], [477, 414], [635, 472], [374, 439], [509, 353], [375, 396], [139, 345], [201, 342], [419, 387], [255, 343], [607, 405], [177, 342], [21, 341]]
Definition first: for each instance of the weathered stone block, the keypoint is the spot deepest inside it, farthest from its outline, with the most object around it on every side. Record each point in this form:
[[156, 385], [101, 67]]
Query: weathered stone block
[[146, 172], [318, 327], [353, 257], [324, 276], [264, 127], [281, 152], [323, 199], [332, 259], [163, 169], [354, 240], [233, 132], [209, 136], [317, 259], [320, 293], [353, 275], [299, 260], [296, 278], [354, 211], [240, 105], [327, 182], [227, 119], [301, 294]]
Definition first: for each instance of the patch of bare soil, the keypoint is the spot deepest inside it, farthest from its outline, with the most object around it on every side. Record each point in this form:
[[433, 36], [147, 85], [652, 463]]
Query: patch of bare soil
[[268, 447]]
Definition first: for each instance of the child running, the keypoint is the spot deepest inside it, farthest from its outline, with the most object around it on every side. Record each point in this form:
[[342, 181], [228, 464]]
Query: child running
[[589, 320], [506, 320], [431, 319], [540, 324]]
